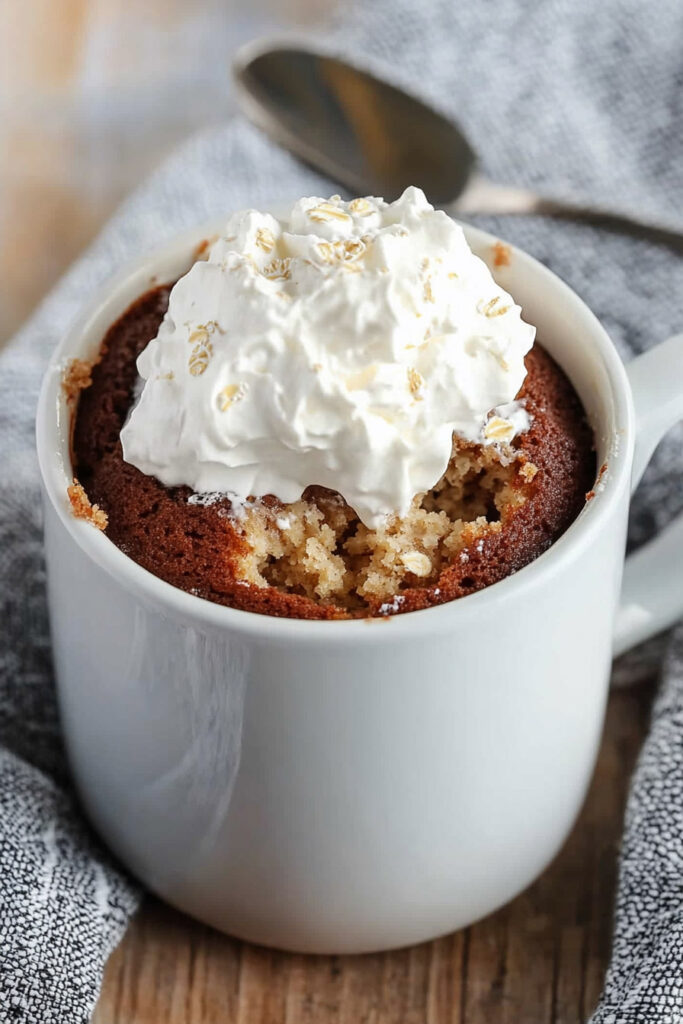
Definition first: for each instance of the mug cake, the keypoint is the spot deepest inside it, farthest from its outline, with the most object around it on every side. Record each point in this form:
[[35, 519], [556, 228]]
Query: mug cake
[[334, 414]]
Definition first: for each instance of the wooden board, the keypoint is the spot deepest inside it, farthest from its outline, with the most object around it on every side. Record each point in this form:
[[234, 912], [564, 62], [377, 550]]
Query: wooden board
[[540, 960]]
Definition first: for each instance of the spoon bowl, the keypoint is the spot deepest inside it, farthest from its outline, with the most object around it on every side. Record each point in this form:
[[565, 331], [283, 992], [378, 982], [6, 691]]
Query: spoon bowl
[[376, 139], [343, 121]]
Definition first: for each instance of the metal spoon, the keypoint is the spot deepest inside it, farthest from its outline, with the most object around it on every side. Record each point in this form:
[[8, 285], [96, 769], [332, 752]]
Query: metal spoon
[[375, 139]]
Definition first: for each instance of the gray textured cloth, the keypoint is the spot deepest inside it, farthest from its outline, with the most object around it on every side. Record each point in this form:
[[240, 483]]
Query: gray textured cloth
[[575, 99], [644, 983]]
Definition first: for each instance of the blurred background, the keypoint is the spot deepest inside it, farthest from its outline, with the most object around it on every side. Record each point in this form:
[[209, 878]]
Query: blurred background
[[93, 93]]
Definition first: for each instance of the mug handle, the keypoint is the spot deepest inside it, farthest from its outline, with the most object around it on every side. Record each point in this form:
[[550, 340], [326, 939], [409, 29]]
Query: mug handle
[[652, 589]]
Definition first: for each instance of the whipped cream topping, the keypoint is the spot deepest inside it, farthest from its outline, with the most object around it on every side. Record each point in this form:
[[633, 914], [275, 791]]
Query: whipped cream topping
[[343, 346]]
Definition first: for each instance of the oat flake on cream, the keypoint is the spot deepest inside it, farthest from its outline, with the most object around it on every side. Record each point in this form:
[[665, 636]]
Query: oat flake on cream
[[341, 346]]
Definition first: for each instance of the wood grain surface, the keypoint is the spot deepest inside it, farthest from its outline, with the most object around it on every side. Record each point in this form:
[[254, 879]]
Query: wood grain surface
[[93, 94], [540, 960]]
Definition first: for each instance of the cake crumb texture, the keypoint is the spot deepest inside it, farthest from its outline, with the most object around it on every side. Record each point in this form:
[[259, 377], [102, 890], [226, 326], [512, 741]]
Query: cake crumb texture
[[82, 508], [76, 377], [502, 254], [495, 509]]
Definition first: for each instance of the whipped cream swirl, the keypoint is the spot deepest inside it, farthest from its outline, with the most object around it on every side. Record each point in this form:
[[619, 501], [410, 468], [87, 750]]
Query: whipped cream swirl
[[343, 346]]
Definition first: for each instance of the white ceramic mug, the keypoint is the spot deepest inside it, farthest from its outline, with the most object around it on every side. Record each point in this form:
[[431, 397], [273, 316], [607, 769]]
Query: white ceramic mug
[[356, 785]]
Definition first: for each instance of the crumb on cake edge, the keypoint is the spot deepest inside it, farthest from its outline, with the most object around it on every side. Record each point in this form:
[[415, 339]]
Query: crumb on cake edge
[[82, 507], [76, 377]]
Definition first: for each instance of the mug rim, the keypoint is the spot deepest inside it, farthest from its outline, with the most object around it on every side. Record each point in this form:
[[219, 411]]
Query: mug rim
[[56, 476]]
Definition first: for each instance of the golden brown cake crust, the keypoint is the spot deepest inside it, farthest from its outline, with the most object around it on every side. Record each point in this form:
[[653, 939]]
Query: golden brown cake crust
[[197, 547]]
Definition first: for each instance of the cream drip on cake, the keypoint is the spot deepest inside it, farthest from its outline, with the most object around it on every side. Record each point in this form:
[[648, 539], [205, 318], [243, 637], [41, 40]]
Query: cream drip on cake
[[341, 346]]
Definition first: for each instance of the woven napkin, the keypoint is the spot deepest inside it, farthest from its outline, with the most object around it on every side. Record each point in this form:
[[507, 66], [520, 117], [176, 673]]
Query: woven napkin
[[577, 100]]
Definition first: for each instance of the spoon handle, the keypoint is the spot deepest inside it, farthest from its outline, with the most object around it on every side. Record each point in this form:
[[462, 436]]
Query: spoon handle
[[486, 197]]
